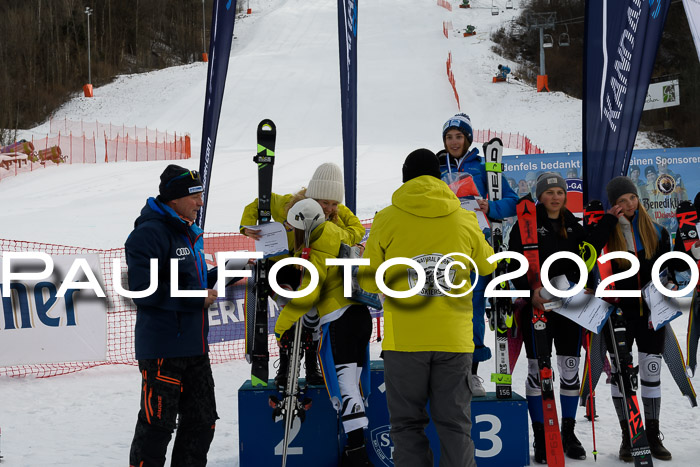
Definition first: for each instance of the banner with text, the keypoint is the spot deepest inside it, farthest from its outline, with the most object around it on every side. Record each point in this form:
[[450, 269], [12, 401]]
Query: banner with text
[[37, 326], [221, 32], [621, 41]]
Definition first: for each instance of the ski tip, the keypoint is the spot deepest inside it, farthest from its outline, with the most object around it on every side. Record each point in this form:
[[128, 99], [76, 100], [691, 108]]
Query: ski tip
[[255, 381]]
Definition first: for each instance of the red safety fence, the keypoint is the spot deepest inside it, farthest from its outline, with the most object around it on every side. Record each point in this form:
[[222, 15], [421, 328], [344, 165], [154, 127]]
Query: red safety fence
[[451, 77], [109, 130], [135, 150], [121, 312], [446, 27], [510, 140], [122, 143], [45, 152], [445, 4]]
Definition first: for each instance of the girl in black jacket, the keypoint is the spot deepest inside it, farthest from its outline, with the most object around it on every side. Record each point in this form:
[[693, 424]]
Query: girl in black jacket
[[638, 234], [557, 230]]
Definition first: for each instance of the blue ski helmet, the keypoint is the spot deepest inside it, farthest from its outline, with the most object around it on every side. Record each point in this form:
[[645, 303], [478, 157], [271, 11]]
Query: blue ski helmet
[[461, 122]]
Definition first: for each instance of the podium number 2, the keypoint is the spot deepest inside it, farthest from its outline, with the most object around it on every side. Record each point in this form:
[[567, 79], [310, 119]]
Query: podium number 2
[[291, 451], [490, 435]]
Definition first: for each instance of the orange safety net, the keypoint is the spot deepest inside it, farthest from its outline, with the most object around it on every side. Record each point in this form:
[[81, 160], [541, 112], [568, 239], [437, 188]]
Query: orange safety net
[[121, 311]]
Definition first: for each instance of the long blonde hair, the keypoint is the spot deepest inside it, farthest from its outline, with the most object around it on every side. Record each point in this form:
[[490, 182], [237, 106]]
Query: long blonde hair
[[647, 233]]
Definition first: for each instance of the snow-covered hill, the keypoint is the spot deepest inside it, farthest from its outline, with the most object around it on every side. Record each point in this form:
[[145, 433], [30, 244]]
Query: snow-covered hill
[[284, 66]]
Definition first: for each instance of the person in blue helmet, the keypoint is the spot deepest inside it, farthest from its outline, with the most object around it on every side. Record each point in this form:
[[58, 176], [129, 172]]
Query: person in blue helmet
[[459, 163]]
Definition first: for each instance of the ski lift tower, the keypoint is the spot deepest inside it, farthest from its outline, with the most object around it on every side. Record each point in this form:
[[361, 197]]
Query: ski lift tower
[[542, 21]]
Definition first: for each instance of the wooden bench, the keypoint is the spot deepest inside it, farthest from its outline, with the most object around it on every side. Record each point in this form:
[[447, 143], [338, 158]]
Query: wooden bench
[[6, 159]]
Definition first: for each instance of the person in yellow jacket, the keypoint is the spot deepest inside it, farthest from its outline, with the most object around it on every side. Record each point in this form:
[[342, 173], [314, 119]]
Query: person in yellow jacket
[[327, 188], [428, 344], [346, 325]]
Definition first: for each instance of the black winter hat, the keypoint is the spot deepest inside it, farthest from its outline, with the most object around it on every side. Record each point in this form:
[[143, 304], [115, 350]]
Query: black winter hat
[[177, 182], [650, 169], [421, 162], [619, 186], [549, 180]]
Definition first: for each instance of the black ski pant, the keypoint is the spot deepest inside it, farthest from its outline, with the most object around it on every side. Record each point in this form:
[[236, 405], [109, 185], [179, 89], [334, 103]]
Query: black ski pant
[[170, 387], [566, 334], [350, 334]]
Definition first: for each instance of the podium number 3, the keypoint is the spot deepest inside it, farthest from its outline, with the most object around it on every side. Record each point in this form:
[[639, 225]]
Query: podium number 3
[[490, 435]]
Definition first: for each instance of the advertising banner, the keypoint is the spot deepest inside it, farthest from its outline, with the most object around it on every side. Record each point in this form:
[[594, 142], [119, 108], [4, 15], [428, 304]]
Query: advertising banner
[[37, 326], [621, 41], [347, 40], [664, 178], [222, 20], [663, 94]]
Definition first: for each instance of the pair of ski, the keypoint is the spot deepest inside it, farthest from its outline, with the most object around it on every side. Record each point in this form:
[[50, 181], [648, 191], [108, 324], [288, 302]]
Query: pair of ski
[[626, 378], [500, 316], [292, 405]]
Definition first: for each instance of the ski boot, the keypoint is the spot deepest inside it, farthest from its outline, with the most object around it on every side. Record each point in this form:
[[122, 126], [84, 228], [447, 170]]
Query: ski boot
[[572, 446], [281, 377], [313, 373], [539, 444], [655, 437], [625, 448]]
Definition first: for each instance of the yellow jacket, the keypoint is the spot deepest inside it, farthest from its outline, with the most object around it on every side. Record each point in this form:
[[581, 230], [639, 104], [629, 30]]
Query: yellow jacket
[[351, 232], [425, 222], [328, 294]]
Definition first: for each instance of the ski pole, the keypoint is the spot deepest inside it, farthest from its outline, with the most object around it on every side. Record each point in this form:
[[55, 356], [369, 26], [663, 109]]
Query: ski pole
[[591, 399]]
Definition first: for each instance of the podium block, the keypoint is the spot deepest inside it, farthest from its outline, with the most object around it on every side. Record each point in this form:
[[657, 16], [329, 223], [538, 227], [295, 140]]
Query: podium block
[[314, 442], [499, 428]]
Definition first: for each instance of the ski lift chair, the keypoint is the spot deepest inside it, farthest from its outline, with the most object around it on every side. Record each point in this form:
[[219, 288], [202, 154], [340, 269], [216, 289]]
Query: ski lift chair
[[547, 41], [564, 38], [494, 10], [509, 4]]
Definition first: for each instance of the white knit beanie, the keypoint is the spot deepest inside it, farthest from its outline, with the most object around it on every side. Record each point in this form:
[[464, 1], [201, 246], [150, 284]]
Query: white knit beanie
[[327, 183]]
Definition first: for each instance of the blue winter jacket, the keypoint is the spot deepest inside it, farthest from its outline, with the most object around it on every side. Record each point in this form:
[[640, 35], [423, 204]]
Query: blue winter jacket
[[472, 164], [168, 326]]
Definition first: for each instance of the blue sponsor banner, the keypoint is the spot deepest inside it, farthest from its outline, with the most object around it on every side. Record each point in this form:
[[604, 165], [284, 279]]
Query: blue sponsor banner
[[222, 20], [227, 315], [347, 40], [621, 41], [664, 178]]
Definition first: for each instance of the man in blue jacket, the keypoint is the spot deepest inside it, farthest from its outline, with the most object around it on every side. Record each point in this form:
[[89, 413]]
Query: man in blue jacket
[[460, 166], [171, 331]]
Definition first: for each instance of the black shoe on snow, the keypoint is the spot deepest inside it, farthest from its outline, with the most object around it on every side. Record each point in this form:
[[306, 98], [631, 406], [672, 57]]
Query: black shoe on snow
[[655, 437], [313, 374], [539, 444], [625, 447], [572, 446]]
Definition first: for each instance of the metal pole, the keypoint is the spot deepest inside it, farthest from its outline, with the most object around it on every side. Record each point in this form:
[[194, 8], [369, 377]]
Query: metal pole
[[542, 51], [204, 47], [88, 12]]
